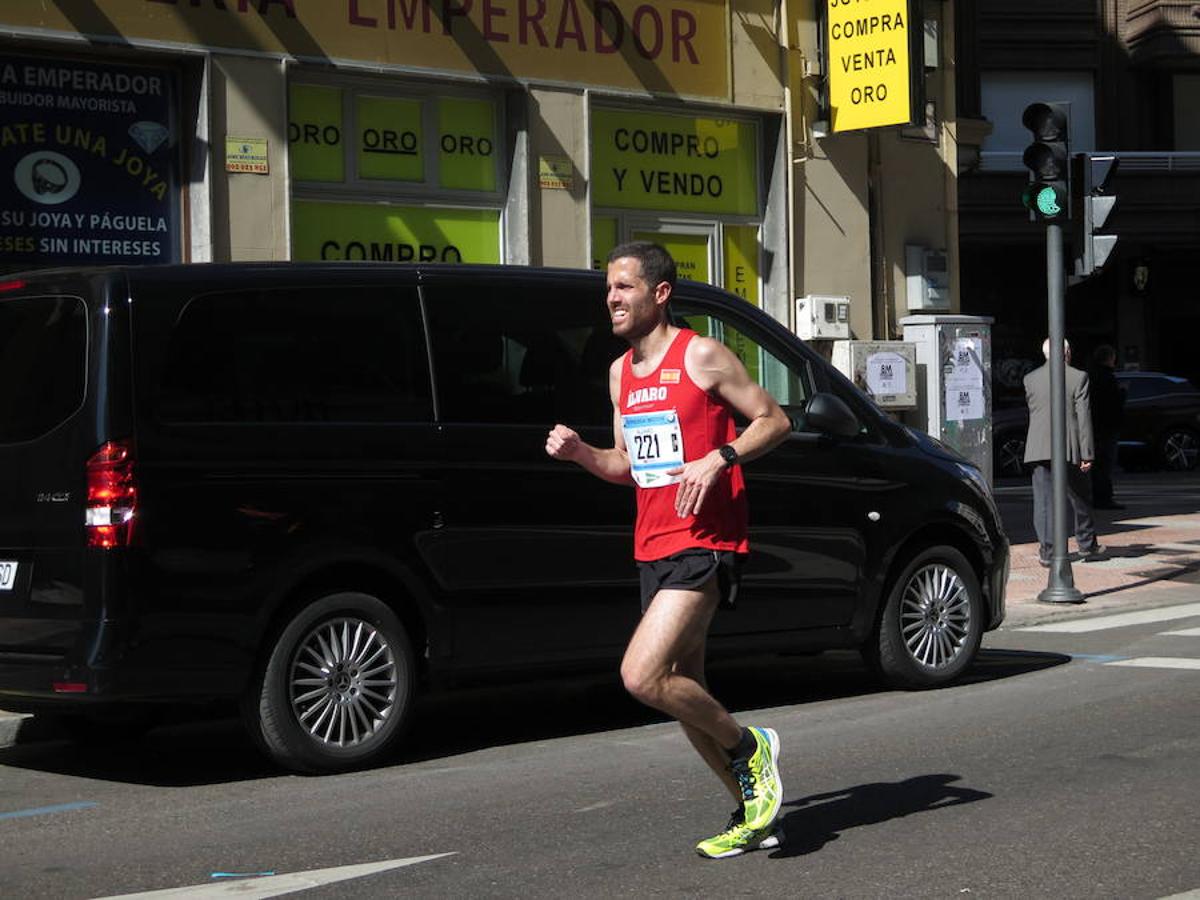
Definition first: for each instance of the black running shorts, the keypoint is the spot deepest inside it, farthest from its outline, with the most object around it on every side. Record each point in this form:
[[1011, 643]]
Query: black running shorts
[[690, 570]]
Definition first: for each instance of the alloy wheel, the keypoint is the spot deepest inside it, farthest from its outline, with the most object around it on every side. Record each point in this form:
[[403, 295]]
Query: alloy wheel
[[935, 616], [1180, 449], [343, 682]]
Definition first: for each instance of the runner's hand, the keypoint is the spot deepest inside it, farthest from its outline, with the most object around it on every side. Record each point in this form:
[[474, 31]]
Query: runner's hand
[[695, 479], [563, 443]]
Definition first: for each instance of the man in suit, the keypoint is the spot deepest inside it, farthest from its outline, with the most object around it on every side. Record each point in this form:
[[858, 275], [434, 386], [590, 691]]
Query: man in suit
[[1080, 453]]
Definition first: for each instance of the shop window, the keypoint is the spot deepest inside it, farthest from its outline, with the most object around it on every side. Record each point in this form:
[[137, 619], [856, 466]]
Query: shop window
[[380, 175]]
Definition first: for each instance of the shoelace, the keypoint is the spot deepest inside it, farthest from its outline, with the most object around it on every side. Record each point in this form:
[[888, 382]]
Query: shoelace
[[745, 778]]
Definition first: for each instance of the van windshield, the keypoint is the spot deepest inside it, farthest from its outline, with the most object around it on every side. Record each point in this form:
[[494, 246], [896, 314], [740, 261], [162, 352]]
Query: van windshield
[[43, 364]]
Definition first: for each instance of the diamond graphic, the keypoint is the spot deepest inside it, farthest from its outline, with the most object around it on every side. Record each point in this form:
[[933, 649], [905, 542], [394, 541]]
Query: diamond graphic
[[149, 135]]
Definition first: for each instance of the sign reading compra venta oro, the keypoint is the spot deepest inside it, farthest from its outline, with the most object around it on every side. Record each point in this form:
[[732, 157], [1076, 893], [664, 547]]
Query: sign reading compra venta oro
[[680, 46], [869, 63]]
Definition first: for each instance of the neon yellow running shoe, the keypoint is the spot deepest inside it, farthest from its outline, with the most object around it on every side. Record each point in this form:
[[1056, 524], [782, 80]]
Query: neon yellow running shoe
[[758, 777], [737, 839]]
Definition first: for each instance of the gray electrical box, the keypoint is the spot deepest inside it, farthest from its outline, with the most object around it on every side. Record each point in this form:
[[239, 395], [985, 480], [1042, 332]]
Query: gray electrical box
[[886, 371], [927, 278], [954, 372]]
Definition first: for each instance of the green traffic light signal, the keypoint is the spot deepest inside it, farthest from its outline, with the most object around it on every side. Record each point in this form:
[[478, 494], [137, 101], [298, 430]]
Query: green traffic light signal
[[1044, 199]]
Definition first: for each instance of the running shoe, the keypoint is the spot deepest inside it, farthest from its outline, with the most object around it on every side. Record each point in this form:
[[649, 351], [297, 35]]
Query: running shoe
[[737, 839], [758, 778]]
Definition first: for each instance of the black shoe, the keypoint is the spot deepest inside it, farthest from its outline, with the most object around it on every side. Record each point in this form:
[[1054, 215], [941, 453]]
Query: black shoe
[[1096, 554]]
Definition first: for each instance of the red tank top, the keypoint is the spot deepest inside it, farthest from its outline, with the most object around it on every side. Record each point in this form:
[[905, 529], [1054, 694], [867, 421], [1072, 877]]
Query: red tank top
[[666, 420]]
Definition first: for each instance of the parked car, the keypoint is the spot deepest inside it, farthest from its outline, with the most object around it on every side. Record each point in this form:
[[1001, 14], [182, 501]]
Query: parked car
[[319, 489], [1161, 426], [1162, 420]]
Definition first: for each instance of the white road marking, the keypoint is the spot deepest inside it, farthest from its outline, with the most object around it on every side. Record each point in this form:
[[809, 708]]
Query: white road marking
[[277, 885], [1119, 620], [1158, 662], [1183, 632], [603, 804], [1186, 895]]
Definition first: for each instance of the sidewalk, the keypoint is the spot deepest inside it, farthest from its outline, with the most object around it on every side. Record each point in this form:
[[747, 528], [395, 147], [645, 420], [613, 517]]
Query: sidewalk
[[1153, 546]]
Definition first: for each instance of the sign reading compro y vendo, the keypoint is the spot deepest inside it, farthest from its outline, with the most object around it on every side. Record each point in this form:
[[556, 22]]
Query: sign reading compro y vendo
[[870, 63], [680, 46], [674, 163]]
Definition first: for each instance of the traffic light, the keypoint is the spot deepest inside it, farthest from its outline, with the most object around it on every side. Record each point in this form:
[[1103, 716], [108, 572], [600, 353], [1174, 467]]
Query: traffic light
[[1093, 202], [1048, 159]]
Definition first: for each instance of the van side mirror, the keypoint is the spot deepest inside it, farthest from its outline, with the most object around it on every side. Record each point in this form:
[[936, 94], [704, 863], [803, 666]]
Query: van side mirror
[[828, 413]]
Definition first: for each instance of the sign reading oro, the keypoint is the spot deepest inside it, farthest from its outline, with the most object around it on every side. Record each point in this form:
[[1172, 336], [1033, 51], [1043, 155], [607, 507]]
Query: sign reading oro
[[679, 46], [870, 63]]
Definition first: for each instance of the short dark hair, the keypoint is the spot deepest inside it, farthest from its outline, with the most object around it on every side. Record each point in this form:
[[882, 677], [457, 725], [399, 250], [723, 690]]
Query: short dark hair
[[657, 263], [1104, 355]]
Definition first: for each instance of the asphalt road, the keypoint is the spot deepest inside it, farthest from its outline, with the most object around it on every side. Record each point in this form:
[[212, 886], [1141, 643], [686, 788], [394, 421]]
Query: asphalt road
[[1060, 768]]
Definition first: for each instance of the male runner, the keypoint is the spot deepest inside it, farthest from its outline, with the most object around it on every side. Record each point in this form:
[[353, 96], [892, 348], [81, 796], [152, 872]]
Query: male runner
[[672, 395]]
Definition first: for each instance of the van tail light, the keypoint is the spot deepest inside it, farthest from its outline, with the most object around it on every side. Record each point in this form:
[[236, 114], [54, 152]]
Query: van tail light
[[111, 495], [12, 285]]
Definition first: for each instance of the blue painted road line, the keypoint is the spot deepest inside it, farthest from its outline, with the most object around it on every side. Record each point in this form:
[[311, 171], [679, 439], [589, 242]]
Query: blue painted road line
[[1097, 657], [46, 810], [241, 874]]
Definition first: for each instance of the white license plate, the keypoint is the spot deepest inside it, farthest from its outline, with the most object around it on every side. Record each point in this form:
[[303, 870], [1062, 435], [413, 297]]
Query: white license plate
[[8, 575]]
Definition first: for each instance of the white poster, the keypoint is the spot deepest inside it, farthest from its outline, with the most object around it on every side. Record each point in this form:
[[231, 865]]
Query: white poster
[[887, 374], [963, 404], [964, 370]]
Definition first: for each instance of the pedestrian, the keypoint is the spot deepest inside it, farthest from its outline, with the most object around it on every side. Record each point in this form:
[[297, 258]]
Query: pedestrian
[[1080, 454], [1108, 409], [673, 396]]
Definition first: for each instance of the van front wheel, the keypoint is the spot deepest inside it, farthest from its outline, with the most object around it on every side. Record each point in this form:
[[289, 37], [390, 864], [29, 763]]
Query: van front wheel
[[930, 629], [337, 687]]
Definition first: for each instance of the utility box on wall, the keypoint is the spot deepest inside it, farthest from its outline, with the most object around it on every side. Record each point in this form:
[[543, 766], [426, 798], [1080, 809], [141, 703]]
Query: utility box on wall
[[886, 371], [822, 318], [927, 278]]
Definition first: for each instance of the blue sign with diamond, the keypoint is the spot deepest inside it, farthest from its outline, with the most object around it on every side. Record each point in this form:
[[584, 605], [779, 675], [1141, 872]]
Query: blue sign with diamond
[[89, 163]]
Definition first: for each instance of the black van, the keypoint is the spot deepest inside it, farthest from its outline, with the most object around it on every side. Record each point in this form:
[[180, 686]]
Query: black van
[[319, 489]]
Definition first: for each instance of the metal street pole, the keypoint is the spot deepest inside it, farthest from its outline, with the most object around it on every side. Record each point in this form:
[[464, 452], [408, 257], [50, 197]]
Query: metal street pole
[[1060, 583]]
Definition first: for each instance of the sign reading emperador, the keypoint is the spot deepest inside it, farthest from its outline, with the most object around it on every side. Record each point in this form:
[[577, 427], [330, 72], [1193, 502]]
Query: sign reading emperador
[[676, 46], [870, 63]]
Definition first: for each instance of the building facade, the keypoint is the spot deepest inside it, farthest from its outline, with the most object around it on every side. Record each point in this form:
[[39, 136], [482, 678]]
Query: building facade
[[537, 132], [1131, 72]]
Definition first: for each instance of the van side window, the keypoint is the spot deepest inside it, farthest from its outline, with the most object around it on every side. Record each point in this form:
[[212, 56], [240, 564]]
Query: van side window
[[43, 364], [350, 354], [790, 384], [522, 354]]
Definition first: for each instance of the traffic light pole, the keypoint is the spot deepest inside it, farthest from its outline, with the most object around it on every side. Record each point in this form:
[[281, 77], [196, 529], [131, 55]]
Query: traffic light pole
[[1060, 584]]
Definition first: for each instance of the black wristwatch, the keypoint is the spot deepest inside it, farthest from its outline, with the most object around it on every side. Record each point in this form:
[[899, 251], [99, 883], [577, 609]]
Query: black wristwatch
[[729, 455]]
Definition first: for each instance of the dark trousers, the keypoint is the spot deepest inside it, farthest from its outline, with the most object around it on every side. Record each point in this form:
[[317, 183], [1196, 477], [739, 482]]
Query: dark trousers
[[1102, 469], [1079, 496]]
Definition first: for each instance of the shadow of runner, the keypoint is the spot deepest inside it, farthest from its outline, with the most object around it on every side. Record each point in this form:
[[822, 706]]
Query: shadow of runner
[[823, 817]]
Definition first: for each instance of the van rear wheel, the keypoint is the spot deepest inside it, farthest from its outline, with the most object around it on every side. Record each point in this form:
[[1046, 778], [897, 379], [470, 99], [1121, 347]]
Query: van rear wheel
[[931, 626], [337, 687]]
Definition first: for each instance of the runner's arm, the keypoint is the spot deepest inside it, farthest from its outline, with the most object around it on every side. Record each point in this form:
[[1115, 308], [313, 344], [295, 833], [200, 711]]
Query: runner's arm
[[713, 367]]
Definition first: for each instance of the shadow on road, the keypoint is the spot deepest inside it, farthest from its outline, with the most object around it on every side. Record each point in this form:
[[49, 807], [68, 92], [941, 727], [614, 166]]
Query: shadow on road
[[812, 822], [217, 750]]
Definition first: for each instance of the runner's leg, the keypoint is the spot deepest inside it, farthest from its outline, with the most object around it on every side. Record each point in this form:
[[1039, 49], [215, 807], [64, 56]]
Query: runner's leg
[[692, 666], [674, 626]]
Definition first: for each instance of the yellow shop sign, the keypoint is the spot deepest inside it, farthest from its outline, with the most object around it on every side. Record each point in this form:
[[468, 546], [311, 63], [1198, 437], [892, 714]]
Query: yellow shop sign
[[370, 232], [870, 63], [678, 46], [674, 163]]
